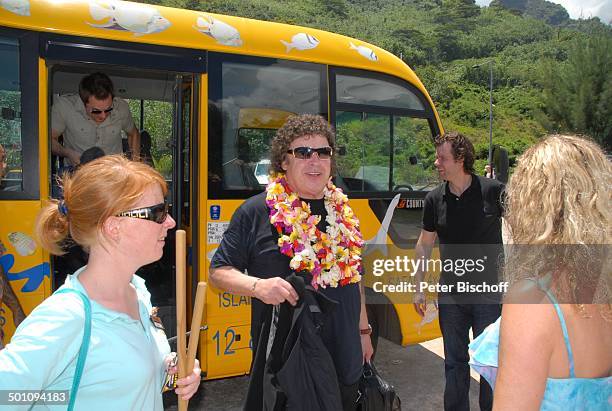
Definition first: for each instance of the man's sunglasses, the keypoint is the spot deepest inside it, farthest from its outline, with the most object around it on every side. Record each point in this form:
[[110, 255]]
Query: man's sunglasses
[[156, 213], [304, 153], [98, 111]]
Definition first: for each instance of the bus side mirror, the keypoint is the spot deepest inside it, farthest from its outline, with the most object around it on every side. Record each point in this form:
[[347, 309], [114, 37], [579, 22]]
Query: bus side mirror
[[501, 163]]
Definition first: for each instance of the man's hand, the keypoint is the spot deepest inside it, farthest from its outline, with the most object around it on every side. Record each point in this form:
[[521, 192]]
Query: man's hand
[[275, 291], [366, 347], [419, 303], [74, 157]]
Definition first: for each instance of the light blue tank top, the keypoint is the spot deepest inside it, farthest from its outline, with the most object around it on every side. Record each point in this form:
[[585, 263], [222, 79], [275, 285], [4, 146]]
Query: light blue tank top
[[576, 394]]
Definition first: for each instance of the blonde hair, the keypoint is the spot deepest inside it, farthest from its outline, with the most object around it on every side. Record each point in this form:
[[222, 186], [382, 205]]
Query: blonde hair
[[559, 196], [99, 189]]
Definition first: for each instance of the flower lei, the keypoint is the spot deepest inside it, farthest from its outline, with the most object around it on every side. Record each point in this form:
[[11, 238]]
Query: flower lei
[[333, 257]]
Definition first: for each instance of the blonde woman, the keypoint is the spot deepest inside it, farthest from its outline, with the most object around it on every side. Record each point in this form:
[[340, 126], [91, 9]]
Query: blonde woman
[[115, 208], [551, 348]]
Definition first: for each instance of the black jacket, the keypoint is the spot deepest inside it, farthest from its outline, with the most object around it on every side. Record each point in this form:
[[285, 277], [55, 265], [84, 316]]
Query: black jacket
[[292, 368]]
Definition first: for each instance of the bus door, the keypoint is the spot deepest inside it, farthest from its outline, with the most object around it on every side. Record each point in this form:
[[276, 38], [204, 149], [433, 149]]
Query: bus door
[[384, 130], [161, 87], [24, 270]]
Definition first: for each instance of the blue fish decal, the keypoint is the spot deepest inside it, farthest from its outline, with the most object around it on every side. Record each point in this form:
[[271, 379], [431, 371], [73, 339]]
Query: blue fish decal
[[35, 275]]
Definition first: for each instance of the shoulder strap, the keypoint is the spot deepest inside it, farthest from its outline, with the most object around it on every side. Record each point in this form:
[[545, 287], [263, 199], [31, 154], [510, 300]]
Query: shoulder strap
[[84, 345], [570, 355]]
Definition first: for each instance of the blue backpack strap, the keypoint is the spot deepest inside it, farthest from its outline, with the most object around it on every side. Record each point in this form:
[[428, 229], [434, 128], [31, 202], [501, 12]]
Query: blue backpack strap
[[570, 355], [84, 345]]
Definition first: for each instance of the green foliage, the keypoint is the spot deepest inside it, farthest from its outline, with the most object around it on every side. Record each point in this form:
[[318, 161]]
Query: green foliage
[[338, 8], [254, 144], [578, 91], [158, 122], [10, 129], [497, 29], [163, 164]]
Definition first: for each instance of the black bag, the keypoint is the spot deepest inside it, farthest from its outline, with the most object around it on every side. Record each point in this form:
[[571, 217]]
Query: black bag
[[376, 394]]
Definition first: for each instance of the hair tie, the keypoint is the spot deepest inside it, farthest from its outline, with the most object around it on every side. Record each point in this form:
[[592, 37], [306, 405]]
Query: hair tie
[[61, 206]]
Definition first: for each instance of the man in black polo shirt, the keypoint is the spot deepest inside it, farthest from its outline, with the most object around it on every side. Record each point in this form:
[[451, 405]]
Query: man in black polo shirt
[[465, 213]]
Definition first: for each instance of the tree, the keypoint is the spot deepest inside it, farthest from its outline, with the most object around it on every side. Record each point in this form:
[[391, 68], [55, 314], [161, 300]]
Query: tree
[[578, 92]]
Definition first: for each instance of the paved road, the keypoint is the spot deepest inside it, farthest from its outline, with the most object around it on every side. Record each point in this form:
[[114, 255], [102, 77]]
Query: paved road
[[416, 371]]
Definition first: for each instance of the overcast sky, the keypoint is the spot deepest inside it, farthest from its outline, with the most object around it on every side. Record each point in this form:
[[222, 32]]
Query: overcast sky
[[578, 8]]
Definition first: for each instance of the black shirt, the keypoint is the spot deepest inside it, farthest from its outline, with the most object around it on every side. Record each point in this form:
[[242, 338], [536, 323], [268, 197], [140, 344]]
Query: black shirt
[[250, 245], [468, 227]]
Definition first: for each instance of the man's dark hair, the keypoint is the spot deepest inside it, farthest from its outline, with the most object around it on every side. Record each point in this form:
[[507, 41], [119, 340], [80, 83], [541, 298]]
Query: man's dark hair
[[98, 85], [461, 148]]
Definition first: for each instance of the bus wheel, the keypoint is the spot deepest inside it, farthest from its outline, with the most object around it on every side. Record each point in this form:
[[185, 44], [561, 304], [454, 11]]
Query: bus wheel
[[374, 323]]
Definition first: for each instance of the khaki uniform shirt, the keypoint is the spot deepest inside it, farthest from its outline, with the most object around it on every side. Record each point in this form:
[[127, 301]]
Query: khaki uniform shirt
[[68, 117]]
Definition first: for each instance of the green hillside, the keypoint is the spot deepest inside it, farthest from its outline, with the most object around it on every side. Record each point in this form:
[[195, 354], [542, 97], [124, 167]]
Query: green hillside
[[550, 73]]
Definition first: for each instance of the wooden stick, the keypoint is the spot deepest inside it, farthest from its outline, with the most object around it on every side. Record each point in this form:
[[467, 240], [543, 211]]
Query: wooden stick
[[181, 308], [196, 322]]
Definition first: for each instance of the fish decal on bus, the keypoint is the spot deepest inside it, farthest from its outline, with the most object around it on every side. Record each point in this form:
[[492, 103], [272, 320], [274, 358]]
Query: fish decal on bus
[[218, 30], [21, 7], [136, 18], [35, 275], [364, 51], [24, 244], [301, 41]]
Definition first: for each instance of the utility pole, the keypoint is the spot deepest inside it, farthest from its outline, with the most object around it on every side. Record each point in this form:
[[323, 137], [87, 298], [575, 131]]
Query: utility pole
[[490, 63]]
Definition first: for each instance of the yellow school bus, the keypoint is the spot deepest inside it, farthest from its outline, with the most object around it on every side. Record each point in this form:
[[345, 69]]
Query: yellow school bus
[[210, 90]]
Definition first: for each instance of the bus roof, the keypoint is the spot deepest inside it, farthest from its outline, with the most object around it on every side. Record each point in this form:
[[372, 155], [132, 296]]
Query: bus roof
[[143, 23]]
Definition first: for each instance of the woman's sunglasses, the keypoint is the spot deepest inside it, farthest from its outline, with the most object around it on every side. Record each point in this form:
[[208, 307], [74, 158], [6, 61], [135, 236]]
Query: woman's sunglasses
[[156, 213], [304, 153]]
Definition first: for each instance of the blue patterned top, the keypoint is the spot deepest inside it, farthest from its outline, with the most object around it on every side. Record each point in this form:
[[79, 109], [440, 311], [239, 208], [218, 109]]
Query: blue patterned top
[[588, 394]]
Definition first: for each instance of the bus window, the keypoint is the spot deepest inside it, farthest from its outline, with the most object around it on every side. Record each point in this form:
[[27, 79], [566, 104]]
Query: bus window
[[413, 155], [376, 92], [385, 152], [10, 118], [366, 140], [248, 104], [255, 144], [384, 130]]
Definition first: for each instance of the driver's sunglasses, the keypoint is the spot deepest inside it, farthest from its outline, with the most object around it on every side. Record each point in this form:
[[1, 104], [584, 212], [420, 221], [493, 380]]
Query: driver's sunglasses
[[156, 213], [98, 111], [304, 153]]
